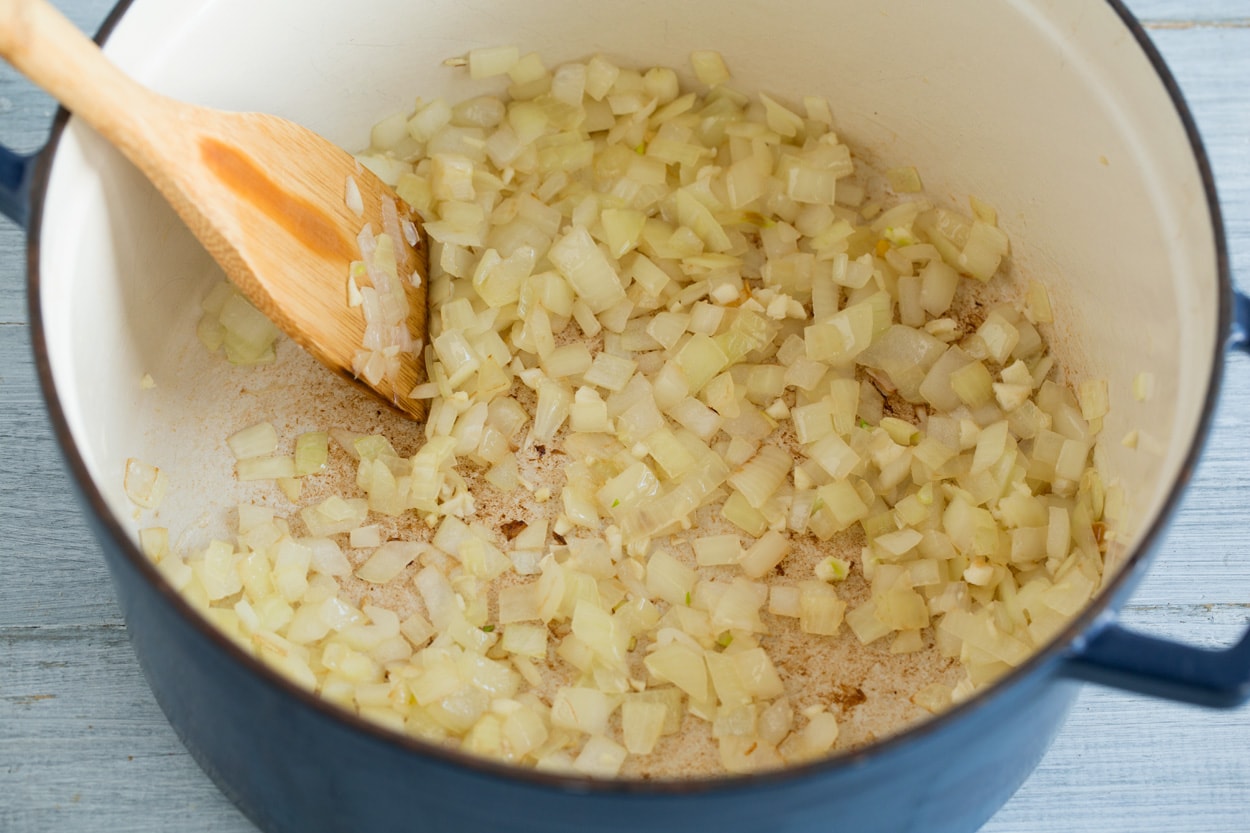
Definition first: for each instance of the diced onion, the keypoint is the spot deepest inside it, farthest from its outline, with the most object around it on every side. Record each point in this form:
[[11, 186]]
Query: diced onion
[[144, 484], [717, 385]]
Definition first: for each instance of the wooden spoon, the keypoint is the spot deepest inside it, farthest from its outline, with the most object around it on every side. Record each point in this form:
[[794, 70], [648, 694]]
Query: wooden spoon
[[266, 198]]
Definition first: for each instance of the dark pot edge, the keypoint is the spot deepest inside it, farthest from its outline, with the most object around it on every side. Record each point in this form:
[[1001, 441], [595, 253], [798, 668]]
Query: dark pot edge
[[1046, 660]]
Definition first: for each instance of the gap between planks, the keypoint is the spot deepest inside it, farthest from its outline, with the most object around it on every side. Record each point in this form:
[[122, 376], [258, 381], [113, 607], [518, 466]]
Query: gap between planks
[[1243, 23]]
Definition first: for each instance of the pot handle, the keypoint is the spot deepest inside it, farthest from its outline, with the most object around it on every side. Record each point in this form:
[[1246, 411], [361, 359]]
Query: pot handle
[[15, 171], [1121, 658]]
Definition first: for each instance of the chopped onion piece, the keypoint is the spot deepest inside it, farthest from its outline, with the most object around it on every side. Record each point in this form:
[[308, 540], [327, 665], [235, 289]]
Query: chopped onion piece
[[681, 665], [144, 484], [765, 554], [709, 67], [601, 757], [353, 199], [581, 709], [265, 468], [311, 452], [642, 724], [154, 541], [586, 269], [714, 550], [388, 561], [489, 61]]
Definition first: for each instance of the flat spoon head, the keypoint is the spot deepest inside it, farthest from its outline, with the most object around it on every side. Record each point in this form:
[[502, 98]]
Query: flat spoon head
[[281, 209], [306, 233]]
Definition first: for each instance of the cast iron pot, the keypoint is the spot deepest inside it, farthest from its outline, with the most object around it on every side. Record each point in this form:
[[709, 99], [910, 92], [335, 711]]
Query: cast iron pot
[[1059, 112]]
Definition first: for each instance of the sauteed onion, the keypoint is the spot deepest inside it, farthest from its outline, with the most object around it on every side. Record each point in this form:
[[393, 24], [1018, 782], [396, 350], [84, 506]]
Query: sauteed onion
[[792, 397]]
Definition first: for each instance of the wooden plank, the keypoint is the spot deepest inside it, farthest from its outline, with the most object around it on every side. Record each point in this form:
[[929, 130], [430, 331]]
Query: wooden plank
[[1211, 625], [1191, 13], [1211, 65], [88, 751], [51, 569], [84, 747], [12, 284], [27, 114], [1202, 559], [1130, 765]]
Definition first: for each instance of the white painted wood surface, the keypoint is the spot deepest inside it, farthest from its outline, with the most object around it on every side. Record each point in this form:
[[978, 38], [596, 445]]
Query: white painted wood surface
[[83, 746]]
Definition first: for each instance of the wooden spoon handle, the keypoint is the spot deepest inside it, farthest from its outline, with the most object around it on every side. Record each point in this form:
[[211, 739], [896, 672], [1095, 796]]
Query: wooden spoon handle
[[51, 51], [266, 197]]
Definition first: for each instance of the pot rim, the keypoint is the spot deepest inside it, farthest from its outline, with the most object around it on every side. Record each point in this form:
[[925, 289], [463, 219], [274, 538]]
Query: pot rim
[[1089, 620]]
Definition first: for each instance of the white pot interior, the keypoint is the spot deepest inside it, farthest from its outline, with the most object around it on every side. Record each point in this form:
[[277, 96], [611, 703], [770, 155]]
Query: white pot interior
[[1049, 111]]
